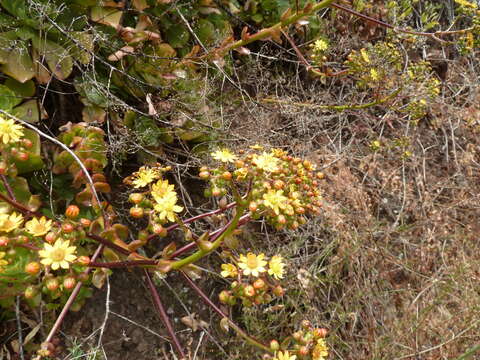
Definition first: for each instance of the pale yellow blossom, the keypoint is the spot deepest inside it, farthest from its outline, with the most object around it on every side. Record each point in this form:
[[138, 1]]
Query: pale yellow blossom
[[58, 255], [252, 264]]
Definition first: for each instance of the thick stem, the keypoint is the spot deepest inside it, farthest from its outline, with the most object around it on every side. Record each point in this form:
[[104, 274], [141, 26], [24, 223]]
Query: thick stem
[[235, 327], [163, 314], [227, 230], [19, 206], [8, 187]]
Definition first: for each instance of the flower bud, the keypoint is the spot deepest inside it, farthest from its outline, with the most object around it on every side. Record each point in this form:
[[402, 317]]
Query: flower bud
[[52, 284], [3, 168], [278, 184], [30, 292], [22, 156], [224, 297], [83, 260], [135, 198], [252, 206], [216, 192], [27, 143], [4, 241], [258, 284], [303, 351], [22, 239], [50, 237], [227, 175], [281, 219], [249, 290], [32, 268], [136, 212], [278, 291], [68, 228], [204, 175], [69, 282], [274, 345], [320, 332], [159, 230], [72, 212], [85, 222]]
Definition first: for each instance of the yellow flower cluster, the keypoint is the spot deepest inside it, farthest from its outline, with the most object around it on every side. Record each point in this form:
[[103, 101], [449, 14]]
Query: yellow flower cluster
[[165, 200], [251, 264], [9, 131]]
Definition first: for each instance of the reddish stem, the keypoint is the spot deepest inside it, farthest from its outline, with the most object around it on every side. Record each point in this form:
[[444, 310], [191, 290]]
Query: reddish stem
[[122, 264], [108, 244], [195, 218], [163, 314], [8, 187], [19, 206]]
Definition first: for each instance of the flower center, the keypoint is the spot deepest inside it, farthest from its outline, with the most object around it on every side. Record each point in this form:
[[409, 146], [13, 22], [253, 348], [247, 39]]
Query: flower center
[[252, 263], [57, 255]]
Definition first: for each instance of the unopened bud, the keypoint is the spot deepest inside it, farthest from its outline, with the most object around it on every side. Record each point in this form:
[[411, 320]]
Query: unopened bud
[[69, 282], [52, 284], [85, 222], [259, 284], [136, 212], [67, 228], [227, 175], [320, 332], [303, 351], [278, 291], [159, 230], [32, 268], [224, 297], [72, 212], [205, 175], [274, 345], [252, 206], [4, 241], [135, 198], [83, 260], [249, 290]]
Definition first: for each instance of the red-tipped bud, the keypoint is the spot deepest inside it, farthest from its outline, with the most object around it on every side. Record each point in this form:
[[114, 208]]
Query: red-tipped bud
[[278, 184], [303, 351], [136, 212], [259, 284], [320, 332], [297, 335], [52, 284], [281, 219], [50, 237], [135, 198], [205, 175], [83, 260], [85, 222], [32, 268], [216, 192], [4, 241], [68, 228], [159, 230], [72, 211], [27, 143], [252, 206], [23, 156], [306, 324], [69, 282]]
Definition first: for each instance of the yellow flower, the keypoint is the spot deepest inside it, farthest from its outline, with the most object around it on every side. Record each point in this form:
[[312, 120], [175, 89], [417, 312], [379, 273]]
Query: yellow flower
[[229, 270], [224, 155], [320, 45], [276, 266], [38, 227], [284, 356], [266, 162], [145, 176], [241, 173], [320, 351], [167, 207], [252, 264], [58, 255], [275, 200], [162, 189], [9, 131], [365, 56], [10, 222], [2, 262], [374, 74]]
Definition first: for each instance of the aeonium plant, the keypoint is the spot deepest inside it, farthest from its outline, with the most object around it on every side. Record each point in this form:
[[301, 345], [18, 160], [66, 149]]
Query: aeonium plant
[[46, 256]]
